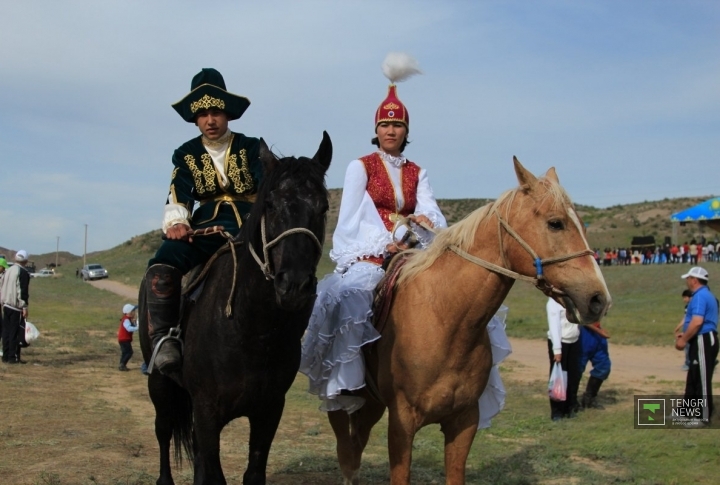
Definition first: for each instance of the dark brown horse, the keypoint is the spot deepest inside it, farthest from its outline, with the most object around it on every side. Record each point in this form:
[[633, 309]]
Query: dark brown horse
[[240, 360], [434, 358]]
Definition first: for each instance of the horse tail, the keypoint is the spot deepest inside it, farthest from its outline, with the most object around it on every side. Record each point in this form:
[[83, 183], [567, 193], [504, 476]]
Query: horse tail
[[183, 426]]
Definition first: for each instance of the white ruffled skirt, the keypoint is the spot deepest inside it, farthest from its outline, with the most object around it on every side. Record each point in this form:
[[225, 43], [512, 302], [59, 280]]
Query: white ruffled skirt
[[341, 323]]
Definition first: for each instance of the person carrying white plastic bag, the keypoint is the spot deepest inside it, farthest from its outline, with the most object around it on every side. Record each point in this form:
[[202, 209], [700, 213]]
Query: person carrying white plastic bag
[[564, 349]]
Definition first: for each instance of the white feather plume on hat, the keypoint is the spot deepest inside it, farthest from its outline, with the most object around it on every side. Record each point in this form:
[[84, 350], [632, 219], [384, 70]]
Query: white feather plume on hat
[[399, 66]]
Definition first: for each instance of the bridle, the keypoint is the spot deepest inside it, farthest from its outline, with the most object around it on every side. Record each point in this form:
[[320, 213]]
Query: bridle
[[539, 279], [267, 246]]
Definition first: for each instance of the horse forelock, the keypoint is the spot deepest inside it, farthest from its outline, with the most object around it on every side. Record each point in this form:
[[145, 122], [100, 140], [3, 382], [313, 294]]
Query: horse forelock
[[462, 234]]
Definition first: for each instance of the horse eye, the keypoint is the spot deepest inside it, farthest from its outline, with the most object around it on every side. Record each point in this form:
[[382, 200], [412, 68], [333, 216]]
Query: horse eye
[[556, 225]]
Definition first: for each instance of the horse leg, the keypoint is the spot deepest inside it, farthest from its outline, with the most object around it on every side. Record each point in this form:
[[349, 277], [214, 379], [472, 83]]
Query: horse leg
[[352, 433], [401, 434], [262, 431], [208, 426], [163, 433], [459, 433], [163, 395]]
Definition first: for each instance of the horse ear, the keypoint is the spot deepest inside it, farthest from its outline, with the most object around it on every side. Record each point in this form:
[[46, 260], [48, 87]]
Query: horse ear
[[324, 153], [525, 178], [552, 175], [268, 158]]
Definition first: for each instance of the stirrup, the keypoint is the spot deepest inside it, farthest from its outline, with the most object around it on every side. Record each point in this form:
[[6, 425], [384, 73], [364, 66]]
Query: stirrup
[[173, 334]]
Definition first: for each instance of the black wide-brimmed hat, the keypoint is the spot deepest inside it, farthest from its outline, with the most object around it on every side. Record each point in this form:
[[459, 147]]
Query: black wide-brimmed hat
[[207, 90]]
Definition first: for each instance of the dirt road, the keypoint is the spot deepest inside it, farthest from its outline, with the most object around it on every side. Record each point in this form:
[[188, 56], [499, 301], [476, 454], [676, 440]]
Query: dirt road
[[632, 366], [126, 291]]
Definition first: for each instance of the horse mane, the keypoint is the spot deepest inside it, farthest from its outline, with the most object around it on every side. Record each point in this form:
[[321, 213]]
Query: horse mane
[[298, 170], [462, 233]]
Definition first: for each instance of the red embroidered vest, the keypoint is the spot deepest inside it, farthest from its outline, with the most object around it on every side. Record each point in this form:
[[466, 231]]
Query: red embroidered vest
[[381, 190]]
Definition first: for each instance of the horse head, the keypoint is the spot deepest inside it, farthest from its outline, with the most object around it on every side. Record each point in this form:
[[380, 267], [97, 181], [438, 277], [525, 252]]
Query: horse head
[[288, 222], [545, 223]]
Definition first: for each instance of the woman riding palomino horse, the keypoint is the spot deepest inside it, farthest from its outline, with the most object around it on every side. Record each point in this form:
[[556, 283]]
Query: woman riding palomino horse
[[380, 189], [434, 358]]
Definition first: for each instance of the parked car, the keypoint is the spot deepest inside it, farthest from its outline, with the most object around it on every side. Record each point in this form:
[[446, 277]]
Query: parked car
[[93, 272], [43, 273]]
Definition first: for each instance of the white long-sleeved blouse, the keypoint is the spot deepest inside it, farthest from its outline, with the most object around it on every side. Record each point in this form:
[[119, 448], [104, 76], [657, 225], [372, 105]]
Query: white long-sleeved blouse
[[360, 231]]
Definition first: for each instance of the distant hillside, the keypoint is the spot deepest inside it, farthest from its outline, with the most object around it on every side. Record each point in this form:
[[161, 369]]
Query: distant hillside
[[610, 227]]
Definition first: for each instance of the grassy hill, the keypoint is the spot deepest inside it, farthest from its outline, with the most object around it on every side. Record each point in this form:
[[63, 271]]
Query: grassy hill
[[608, 227]]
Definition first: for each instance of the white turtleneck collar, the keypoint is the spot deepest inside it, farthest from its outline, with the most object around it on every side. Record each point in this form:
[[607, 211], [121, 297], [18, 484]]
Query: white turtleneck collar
[[392, 160]]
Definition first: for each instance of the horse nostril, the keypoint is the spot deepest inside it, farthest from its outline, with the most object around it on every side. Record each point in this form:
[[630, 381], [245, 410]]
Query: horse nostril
[[597, 304]]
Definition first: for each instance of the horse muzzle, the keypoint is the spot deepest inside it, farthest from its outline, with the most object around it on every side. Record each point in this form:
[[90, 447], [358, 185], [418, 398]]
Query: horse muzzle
[[586, 309]]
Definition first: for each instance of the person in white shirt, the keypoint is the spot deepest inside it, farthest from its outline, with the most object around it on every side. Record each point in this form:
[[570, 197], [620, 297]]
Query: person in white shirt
[[564, 347]]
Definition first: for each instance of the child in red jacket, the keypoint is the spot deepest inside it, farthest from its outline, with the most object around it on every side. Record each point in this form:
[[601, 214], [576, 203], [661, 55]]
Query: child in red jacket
[[127, 328]]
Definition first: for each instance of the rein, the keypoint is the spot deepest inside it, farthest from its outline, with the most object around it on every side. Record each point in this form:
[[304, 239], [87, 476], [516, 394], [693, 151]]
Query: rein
[[265, 265], [539, 279]]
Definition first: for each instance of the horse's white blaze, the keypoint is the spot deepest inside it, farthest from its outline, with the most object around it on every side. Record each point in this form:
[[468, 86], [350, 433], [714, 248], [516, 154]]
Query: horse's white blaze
[[576, 220]]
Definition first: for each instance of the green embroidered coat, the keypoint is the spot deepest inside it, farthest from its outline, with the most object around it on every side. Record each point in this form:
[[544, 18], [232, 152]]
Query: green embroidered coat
[[195, 179]]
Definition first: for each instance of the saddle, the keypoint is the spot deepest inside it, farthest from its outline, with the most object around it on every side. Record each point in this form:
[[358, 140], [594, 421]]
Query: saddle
[[385, 290]]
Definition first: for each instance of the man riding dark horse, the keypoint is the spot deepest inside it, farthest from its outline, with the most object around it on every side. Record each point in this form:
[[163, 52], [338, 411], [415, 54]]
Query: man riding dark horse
[[220, 171]]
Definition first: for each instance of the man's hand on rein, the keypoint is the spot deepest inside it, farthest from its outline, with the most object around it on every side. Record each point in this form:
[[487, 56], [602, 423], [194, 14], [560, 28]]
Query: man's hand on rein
[[179, 232]]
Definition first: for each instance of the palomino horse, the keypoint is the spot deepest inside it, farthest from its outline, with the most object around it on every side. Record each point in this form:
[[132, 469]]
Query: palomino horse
[[242, 347], [433, 360]]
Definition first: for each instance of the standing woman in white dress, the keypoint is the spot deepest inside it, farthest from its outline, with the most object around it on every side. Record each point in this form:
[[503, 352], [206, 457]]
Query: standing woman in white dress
[[379, 189]]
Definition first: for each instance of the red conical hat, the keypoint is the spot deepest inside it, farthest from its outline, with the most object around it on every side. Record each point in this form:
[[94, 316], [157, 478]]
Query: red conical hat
[[397, 66], [392, 109]]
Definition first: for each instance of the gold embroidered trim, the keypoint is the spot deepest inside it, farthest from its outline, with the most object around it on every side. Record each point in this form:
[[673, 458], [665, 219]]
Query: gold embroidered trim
[[208, 172], [240, 175], [206, 102], [196, 173], [217, 143]]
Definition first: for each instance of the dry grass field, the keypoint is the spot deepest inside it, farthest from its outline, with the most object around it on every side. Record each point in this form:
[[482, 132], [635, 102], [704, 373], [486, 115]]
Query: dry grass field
[[69, 417]]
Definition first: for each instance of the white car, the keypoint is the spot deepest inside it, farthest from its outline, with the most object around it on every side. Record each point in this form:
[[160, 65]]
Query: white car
[[43, 273], [93, 272]]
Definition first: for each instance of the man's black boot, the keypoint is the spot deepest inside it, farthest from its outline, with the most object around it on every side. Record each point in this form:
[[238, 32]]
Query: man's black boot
[[589, 400], [163, 286]]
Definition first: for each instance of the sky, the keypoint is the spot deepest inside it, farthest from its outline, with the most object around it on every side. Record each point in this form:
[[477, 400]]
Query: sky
[[621, 97]]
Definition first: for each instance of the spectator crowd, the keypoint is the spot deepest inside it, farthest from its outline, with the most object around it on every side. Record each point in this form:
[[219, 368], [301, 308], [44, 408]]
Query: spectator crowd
[[693, 252]]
